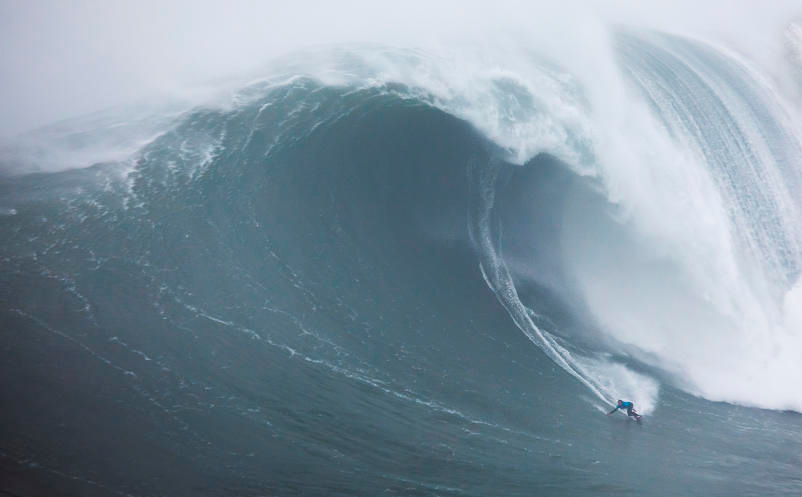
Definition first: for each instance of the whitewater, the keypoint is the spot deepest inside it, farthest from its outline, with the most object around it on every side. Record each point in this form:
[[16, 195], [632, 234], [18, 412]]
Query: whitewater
[[418, 269]]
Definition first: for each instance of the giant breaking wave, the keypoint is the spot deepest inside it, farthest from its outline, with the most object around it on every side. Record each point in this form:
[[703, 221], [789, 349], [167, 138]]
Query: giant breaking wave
[[348, 217]]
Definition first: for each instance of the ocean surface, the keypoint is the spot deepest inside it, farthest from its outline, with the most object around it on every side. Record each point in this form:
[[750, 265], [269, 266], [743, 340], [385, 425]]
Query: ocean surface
[[387, 272]]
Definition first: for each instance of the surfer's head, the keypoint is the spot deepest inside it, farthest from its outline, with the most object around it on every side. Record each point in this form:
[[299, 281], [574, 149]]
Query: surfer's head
[[620, 402]]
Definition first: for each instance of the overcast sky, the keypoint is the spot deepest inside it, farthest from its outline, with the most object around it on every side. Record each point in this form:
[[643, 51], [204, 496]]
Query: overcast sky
[[60, 59]]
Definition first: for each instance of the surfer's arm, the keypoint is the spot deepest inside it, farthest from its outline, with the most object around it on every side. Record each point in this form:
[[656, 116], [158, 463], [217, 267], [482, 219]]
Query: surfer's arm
[[612, 411]]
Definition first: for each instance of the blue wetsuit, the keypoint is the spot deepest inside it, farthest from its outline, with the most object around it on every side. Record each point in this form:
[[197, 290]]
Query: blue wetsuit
[[629, 406]]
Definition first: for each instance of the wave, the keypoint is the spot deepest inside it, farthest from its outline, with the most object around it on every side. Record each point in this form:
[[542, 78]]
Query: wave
[[377, 256], [693, 244]]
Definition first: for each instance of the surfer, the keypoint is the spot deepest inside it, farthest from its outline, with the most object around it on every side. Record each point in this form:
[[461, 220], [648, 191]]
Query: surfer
[[629, 406]]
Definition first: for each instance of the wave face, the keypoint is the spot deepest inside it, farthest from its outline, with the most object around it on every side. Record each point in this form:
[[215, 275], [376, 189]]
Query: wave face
[[379, 277]]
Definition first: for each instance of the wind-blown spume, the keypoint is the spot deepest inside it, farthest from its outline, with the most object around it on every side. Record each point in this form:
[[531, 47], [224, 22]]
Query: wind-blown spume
[[793, 54]]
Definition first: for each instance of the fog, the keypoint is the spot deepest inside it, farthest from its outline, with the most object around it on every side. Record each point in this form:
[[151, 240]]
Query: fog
[[63, 59]]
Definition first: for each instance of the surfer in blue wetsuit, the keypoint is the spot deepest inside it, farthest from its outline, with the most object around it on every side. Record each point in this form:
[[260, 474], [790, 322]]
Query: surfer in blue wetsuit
[[629, 406]]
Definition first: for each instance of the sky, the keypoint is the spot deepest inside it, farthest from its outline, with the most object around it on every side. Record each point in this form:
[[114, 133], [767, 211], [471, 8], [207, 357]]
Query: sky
[[61, 59]]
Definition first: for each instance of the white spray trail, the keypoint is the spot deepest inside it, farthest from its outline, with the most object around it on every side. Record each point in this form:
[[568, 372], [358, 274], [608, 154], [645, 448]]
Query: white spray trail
[[606, 379]]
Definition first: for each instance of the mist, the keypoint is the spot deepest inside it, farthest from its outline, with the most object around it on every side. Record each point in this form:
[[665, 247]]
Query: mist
[[62, 60]]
